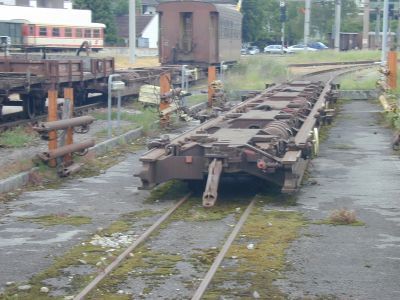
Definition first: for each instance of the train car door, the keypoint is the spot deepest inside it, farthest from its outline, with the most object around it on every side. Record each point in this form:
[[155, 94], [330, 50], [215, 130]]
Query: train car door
[[213, 50], [185, 51]]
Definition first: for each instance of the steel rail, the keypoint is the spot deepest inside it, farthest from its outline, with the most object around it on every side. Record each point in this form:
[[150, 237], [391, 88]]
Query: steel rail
[[214, 267], [128, 250]]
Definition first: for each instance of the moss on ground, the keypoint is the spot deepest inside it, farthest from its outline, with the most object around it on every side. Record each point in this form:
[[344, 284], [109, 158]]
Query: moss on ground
[[328, 221], [93, 256], [248, 271], [152, 266], [173, 189], [58, 219]]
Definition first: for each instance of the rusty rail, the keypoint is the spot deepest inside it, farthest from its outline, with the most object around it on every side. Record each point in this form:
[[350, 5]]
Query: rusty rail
[[214, 267], [128, 250]]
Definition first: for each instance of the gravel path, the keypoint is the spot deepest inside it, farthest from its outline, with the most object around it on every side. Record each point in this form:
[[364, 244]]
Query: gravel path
[[356, 170]]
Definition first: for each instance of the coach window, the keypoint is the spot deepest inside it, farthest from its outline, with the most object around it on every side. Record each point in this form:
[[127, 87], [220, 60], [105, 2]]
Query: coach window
[[42, 31], [55, 31], [88, 33], [68, 32], [186, 31], [79, 32], [96, 33], [31, 30]]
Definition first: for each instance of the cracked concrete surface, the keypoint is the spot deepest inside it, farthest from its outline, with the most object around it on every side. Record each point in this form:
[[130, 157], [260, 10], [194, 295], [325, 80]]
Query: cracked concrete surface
[[357, 170]]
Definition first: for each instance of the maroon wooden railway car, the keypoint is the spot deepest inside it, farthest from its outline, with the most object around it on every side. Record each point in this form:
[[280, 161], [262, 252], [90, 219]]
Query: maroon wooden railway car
[[199, 32]]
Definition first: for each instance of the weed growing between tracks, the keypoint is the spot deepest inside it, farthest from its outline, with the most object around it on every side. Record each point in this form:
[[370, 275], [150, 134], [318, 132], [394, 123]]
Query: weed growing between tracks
[[93, 258], [58, 219], [246, 272]]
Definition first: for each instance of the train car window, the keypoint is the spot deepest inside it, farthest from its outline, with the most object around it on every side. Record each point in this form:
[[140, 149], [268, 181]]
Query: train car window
[[88, 33], [42, 31], [31, 30], [68, 32], [55, 31], [186, 31], [96, 33], [78, 32]]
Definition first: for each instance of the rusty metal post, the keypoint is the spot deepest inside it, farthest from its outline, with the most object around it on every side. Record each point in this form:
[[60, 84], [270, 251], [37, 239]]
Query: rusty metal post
[[212, 76], [392, 65], [52, 108], [165, 80], [69, 94]]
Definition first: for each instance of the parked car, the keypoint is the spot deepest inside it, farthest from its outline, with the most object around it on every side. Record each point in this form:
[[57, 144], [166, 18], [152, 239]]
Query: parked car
[[301, 48], [243, 51], [318, 45], [276, 49], [253, 50]]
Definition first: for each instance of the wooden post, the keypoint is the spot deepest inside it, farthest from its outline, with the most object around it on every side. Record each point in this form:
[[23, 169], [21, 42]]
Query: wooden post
[[392, 65], [212, 76], [165, 80], [52, 108], [69, 94]]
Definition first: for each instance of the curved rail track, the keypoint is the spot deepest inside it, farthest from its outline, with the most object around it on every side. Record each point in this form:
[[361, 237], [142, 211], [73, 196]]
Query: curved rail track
[[141, 76]]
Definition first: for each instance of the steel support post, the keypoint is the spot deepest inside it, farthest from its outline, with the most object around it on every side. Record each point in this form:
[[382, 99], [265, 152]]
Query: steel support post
[[384, 32], [165, 86], [338, 4], [212, 76], [307, 14], [392, 65], [52, 116], [378, 24], [69, 94], [132, 31], [119, 112], [365, 25]]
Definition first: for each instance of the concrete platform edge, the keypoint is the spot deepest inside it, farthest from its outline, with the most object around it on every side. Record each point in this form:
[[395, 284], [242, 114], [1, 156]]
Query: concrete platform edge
[[18, 181]]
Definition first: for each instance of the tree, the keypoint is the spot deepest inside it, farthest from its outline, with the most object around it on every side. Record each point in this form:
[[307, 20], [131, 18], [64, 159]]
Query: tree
[[261, 20], [103, 13]]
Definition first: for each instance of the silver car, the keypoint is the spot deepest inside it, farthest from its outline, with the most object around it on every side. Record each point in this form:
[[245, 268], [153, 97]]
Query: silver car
[[301, 48], [276, 49]]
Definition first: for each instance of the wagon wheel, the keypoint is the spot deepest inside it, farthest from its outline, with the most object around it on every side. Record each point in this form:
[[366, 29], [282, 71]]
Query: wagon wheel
[[80, 96], [29, 106]]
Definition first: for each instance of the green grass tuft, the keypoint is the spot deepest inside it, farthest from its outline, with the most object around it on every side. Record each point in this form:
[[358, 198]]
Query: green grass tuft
[[16, 138]]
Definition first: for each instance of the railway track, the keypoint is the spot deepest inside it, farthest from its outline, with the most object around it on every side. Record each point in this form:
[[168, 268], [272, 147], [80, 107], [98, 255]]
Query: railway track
[[130, 251]]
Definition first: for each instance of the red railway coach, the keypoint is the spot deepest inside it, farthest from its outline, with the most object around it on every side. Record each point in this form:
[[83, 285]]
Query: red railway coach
[[199, 32], [56, 36]]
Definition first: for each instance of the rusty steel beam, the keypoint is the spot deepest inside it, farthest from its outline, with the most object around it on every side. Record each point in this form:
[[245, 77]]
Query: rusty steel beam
[[211, 191], [52, 154], [212, 76], [72, 169], [52, 108], [63, 124]]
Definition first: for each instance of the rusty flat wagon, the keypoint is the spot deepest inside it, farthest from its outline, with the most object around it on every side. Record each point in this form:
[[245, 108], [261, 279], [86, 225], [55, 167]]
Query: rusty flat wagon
[[271, 136]]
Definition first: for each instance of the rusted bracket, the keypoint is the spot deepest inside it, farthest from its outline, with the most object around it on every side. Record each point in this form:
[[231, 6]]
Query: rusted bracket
[[211, 191]]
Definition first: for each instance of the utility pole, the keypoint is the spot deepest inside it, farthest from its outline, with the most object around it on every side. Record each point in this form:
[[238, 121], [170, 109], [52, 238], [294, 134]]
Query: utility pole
[[307, 13], [338, 4], [378, 24], [385, 31], [132, 30], [282, 8], [398, 29], [365, 25]]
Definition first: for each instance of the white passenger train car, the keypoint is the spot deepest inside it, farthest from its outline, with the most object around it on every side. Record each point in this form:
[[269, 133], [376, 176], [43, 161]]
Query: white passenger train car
[[52, 28]]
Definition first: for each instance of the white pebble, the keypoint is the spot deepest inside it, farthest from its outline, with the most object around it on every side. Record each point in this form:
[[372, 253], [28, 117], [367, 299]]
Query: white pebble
[[8, 283], [256, 295], [44, 289], [26, 287], [250, 246]]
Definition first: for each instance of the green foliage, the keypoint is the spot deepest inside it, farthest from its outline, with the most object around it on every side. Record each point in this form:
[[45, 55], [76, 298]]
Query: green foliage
[[104, 11], [16, 138], [261, 20]]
